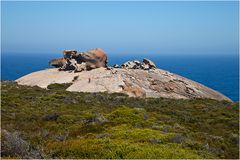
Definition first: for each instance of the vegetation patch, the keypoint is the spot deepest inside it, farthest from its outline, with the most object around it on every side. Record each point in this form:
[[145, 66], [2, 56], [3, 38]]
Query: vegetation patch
[[54, 123]]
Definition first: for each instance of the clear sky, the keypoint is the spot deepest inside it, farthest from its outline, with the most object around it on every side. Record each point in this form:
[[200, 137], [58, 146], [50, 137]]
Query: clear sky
[[121, 27]]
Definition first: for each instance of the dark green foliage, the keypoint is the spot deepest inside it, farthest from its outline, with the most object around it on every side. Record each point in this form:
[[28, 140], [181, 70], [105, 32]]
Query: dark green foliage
[[99, 125], [57, 86]]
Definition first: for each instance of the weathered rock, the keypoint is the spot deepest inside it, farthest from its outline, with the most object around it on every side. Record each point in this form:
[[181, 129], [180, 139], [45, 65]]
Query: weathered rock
[[94, 58], [145, 65], [138, 63], [71, 64], [109, 68], [149, 62], [81, 67], [129, 65], [58, 62], [69, 54], [116, 66], [80, 61], [134, 82]]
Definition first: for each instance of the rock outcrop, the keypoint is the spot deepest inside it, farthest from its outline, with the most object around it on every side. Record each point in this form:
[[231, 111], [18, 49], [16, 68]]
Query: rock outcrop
[[145, 65], [58, 62], [78, 62], [94, 58], [134, 82], [135, 78]]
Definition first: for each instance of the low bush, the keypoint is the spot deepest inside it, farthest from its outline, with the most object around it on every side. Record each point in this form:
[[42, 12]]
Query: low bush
[[64, 124]]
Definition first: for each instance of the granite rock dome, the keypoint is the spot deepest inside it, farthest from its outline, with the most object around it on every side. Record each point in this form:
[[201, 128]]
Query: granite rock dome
[[135, 78]]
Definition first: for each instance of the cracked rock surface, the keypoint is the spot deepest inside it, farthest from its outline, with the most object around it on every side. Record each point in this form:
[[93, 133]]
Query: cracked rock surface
[[134, 82]]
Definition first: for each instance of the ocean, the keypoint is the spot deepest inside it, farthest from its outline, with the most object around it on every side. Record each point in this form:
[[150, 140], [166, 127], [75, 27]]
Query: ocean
[[219, 72]]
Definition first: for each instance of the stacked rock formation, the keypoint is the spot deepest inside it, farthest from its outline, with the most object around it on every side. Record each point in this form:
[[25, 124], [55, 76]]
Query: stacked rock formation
[[78, 62], [96, 58], [146, 65]]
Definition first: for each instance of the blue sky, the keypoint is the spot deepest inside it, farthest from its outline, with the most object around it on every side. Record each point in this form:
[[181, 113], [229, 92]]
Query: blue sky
[[121, 27]]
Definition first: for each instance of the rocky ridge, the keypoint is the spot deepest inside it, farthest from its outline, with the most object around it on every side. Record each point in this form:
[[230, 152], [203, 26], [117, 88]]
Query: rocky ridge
[[88, 72]]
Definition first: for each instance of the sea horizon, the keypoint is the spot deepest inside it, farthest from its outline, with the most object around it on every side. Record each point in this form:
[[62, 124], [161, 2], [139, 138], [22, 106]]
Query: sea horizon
[[218, 72], [134, 79]]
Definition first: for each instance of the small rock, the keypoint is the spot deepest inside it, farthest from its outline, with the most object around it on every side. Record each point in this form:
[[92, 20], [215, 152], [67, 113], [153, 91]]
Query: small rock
[[137, 62], [129, 65], [109, 68], [116, 66]]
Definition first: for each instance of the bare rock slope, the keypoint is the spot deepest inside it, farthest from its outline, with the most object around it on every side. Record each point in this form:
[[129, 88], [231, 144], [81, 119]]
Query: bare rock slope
[[88, 72], [134, 82]]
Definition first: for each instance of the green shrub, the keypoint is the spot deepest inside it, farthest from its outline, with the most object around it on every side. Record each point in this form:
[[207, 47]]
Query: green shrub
[[101, 125]]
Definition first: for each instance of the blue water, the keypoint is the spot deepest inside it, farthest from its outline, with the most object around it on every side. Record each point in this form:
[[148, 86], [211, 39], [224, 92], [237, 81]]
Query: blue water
[[218, 72]]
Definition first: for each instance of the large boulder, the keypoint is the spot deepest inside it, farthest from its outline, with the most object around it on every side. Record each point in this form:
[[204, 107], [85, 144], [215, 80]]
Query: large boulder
[[94, 58], [150, 63], [72, 60]]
